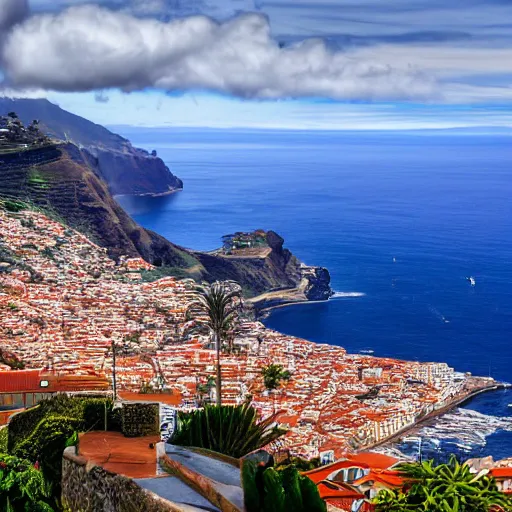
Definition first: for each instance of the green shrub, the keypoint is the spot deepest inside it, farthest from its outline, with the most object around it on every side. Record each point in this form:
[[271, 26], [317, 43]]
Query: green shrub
[[22, 486], [46, 444], [233, 431], [140, 419], [443, 488], [269, 490], [89, 413], [115, 420], [4, 438], [14, 206], [22, 424]]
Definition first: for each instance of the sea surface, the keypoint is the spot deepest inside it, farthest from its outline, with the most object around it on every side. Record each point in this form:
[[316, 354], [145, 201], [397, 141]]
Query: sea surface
[[400, 220]]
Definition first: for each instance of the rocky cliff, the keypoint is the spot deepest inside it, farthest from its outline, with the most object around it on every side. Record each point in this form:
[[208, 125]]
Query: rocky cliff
[[126, 170]]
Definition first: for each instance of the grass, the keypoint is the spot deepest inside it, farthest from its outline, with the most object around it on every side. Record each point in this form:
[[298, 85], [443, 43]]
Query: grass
[[148, 276]]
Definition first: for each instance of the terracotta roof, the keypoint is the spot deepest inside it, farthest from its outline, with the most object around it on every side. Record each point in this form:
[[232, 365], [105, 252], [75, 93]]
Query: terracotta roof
[[374, 460], [501, 472], [20, 381], [331, 490], [388, 478]]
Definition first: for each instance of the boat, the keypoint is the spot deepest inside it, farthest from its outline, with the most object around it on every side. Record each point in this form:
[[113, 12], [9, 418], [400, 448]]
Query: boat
[[471, 280], [367, 351], [510, 405]]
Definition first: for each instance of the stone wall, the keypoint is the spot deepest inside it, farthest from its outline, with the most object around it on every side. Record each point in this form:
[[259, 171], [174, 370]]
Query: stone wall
[[90, 488]]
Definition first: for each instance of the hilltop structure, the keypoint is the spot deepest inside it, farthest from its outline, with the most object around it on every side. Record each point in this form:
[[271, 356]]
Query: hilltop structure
[[14, 136]]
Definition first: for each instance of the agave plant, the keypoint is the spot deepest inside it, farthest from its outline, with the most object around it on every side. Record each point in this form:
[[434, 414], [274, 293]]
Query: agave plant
[[269, 490], [219, 303], [444, 488], [230, 430]]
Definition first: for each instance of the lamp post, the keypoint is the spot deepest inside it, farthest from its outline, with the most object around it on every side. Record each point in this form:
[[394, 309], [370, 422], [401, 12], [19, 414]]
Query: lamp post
[[114, 383]]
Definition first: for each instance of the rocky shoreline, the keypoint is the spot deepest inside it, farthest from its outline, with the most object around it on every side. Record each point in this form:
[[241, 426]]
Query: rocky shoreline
[[314, 286]]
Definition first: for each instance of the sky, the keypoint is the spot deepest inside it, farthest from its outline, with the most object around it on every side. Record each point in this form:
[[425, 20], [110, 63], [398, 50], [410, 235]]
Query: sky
[[295, 64]]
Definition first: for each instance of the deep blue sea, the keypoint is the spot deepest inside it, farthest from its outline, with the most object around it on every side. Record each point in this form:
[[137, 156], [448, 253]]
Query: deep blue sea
[[402, 218]]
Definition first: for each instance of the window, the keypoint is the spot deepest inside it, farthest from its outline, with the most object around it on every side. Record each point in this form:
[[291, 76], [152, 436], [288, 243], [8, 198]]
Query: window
[[44, 384]]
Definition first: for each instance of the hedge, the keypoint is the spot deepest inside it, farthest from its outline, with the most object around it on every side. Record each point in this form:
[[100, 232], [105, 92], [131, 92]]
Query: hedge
[[140, 419], [89, 412]]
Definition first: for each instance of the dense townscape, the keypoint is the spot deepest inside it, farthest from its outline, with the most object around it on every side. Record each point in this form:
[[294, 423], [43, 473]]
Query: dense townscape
[[65, 304]]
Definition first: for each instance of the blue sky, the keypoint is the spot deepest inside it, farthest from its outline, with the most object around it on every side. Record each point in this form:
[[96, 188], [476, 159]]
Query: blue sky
[[332, 64]]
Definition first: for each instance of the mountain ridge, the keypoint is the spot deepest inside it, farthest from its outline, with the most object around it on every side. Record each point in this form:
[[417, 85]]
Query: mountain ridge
[[126, 169]]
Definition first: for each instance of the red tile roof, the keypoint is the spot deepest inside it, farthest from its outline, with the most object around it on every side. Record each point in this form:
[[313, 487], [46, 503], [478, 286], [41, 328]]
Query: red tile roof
[[374, 460], [20, 381]]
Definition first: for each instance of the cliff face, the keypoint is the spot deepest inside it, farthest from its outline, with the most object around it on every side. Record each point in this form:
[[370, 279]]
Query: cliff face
[[134, 172], [318, 283], [126, 170], [63, 180]]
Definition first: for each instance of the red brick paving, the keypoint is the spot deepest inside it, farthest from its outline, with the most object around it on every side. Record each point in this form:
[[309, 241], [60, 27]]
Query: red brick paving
[[131, 457]]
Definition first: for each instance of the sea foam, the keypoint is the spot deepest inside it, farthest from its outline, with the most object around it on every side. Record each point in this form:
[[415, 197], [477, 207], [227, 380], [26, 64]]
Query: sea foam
[[344, 295]]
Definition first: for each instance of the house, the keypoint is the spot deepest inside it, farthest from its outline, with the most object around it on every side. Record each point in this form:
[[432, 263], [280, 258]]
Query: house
[[503, 477], [353, 481], [20, 389]]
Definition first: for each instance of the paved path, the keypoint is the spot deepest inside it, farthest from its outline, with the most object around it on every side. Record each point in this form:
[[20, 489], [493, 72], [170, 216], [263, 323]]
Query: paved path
[[212, 468], [225, 477], [173, 489]]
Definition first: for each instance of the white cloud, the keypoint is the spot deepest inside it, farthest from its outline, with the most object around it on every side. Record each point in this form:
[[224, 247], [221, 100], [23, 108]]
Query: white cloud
[[444, 62], [87, 47]]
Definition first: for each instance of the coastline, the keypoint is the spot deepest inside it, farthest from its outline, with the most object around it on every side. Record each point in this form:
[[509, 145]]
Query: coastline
[[150, 194], [265, 312], [482, 385], [430, 418]]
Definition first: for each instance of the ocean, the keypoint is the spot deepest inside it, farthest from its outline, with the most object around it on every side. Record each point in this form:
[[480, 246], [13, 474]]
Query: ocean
[[401, 220]]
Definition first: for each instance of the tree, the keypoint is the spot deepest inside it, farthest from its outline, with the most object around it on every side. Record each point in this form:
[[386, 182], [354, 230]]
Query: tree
[[219, 303], [12, 115], [444, 488], [274, 375]]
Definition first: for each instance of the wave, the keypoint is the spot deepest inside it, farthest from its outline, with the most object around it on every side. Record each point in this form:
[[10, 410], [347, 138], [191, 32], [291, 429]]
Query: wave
[[344, 295], [462, 430]]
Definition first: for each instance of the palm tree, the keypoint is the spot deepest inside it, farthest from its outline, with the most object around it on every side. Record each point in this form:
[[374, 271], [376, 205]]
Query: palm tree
[[444, 488], [218, 302], [273, 375]]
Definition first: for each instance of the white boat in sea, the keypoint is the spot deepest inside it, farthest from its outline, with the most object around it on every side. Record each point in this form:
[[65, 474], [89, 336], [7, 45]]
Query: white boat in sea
[[471, 280], [367, 351]]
